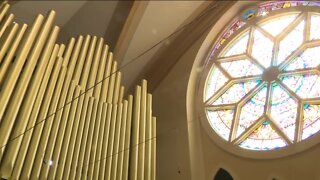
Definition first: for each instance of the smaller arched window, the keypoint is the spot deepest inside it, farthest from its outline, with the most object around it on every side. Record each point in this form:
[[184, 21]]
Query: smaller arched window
[[262, 86], [222, 174]]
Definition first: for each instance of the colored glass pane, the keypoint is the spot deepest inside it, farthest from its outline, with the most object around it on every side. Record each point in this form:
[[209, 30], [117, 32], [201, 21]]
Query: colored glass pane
[[236, 92], [221, 121], [277, 25], [291, 42], [241, 68], [252, 110], [283, 110], [262, 49], [239, 46], [216, 80], [314, 27], [305, 86], [308, 59], [263, 138], [311, 120]]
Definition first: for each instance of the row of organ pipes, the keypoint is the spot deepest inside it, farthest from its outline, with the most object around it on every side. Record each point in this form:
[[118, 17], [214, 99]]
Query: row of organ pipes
[[62, 110]]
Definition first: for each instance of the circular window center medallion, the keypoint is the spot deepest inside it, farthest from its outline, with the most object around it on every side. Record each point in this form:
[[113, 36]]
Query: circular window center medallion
[[270, 74]]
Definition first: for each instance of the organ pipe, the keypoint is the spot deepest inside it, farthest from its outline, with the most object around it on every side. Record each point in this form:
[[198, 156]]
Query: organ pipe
[[63, 114]]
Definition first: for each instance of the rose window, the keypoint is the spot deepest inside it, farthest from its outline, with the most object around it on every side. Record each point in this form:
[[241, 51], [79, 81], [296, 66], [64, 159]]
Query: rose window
[[263, 89]]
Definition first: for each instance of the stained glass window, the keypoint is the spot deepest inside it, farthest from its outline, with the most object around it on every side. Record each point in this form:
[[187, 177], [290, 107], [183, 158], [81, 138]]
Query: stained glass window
[[263, 89]]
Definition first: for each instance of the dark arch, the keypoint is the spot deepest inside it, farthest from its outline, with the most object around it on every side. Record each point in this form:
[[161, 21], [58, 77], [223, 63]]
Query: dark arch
[[222, 174]]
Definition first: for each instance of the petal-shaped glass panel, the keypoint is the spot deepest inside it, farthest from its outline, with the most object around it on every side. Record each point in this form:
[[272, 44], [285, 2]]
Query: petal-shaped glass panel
[[283, 110], [221, 122], [277, 25], [239, 46], [262, 49], [311, 120], [263, 138], [291, 42], [305, 86], [236, 92], [215, 81], [310, 58], [315, 26], [252, 110], [241, 68]]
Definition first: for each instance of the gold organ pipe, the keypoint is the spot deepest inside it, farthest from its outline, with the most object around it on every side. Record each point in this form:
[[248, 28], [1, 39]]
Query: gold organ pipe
[[57, 138], [115, 115], [75, 127], [67, 134], [100, 73], [98, 156], [92, 152], [53, 106], [121, 93], [28, 71], [135, 136], [31, 141], [122, 131], [115, 154], [9, 57], [106, 77], [84, 170], [84, 138], [31, 94], [21, 56], [21, 123], [48, 123], [106, 141], [84, 73], [4, 9], [65, 97], [115, 88], [74, 164], [55, 126], [6, 23], [111, 82], [67, 54], [65, 129], [75, 156], [142, 129], [76, 79], [93, 70], [153, 151], [37, 87], [62, 111], [45, 108], [86, 49], [147, 173], [33, 120], [94, 77], [125, 166], [5, 44]]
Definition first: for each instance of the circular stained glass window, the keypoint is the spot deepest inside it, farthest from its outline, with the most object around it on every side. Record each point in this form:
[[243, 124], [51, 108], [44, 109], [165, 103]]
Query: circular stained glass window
[[262, 91]]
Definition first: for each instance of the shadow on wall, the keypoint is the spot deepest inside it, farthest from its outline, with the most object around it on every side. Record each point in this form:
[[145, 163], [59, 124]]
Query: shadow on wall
[[222, 175]]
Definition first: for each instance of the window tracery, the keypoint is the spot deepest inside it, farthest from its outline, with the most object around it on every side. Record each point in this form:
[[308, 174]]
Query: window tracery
[[263, 88]]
